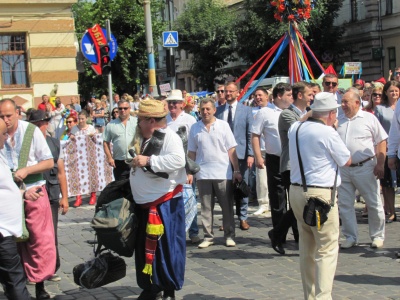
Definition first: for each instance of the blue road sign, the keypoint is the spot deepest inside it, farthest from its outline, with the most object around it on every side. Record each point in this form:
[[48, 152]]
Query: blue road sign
[[170, 39], [88, 49]]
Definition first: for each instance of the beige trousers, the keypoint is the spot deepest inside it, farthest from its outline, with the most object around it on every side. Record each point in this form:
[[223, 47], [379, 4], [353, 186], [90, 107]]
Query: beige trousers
[[318, 249], [262, 185]]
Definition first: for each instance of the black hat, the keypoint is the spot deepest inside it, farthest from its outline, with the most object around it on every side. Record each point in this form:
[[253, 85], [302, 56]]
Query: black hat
[[38, 115]]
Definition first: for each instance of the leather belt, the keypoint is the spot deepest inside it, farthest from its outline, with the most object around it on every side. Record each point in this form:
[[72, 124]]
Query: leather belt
[[361, 163], [314, 186]]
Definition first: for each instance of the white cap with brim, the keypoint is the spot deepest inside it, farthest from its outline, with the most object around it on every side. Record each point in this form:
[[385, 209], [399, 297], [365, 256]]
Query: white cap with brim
[[175, 95], [324, 101]]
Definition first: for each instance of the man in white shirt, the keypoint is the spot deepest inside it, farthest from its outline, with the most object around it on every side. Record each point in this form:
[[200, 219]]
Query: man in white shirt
[[365, 137], [212, 146], [160, 242], [239, 118], [302, 96], [260, 101], [266, 124], [12, 275], [38, 253], [175, 119], [321, 152]]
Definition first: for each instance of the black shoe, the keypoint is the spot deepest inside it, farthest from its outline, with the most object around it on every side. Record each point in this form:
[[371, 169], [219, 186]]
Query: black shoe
[[277, 246], [169, 295], [41, 293], [149, 295]]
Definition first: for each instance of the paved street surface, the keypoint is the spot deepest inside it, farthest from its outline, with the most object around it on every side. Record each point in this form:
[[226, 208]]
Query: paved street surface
[[251, 270]]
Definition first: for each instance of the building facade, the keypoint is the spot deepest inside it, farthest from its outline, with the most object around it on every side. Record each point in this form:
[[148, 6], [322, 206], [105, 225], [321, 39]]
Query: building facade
[[38, 50], [373, 35]]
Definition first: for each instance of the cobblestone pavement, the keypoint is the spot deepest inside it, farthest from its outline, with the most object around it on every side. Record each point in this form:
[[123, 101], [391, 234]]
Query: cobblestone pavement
[[251, 270]]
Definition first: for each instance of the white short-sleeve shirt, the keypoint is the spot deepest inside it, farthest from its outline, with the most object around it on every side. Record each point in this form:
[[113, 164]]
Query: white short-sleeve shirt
[[11, 203], [211, 148], [183, 119], [321, 151], [266, 124], [361, 134]]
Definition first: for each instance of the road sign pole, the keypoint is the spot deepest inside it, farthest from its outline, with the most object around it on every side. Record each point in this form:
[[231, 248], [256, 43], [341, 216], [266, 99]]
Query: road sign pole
[[172, 62], [108, 29], [150, 49]]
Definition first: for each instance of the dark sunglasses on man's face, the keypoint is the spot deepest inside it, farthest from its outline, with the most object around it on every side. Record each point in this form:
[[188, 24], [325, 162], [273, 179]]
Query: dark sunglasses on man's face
[[174, 102], [123, 108], [220, 91], [328, 83]]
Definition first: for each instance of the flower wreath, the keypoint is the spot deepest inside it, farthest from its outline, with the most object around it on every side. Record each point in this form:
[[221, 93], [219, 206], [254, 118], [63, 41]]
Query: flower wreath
[[292, 10], [69, 112]]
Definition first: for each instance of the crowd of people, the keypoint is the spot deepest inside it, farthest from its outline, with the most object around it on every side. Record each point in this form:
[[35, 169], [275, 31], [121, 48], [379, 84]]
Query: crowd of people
[[289, 144]]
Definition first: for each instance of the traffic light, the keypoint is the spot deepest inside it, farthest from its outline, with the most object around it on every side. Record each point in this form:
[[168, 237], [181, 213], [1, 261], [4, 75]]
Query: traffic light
[[105, 60]]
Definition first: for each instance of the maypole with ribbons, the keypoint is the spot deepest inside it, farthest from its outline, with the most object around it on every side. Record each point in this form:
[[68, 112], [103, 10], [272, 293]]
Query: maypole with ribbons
[[292, 12]]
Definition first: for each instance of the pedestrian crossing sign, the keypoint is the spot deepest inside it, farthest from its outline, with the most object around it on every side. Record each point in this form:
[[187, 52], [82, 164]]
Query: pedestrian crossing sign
[[170, 39]]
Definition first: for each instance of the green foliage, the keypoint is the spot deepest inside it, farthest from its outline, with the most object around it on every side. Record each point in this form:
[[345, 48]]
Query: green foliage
[[128, 27], [258, 31], [206, 30]]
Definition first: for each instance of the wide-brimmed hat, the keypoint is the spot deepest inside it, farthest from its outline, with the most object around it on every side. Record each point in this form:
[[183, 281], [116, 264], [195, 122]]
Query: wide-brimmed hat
[[37, 115], [324, 101], [151, 109], [175, 95]]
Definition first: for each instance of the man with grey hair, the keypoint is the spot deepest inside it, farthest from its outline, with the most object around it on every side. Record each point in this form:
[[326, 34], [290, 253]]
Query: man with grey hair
[[365, 137], [212, 145], [322, 151]]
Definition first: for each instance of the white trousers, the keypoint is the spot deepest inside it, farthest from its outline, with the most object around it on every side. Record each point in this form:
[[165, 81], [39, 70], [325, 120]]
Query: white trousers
[[363, 179], [319, 249], [262, 185]]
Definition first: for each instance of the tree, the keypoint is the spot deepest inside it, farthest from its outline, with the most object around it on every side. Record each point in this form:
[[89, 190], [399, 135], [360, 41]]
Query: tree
[[128, 27], [257, 31], [206, 30]]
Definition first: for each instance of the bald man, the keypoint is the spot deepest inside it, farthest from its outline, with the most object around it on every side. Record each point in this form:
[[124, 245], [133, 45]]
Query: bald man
[[366, 139]]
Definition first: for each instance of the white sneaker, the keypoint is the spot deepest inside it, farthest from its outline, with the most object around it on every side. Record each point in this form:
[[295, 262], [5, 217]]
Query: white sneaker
[[54, 278], [205, 244], [261, 210], [230, 242], [347, 244], [377, 243], [195, 239]]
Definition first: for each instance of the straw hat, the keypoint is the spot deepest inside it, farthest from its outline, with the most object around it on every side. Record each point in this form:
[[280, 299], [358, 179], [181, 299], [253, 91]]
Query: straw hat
[[324, 102], [175, 95], [151, 109]]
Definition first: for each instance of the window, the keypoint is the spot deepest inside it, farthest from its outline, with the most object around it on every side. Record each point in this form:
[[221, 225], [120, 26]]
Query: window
[[392, 58], [13, 61], [389, 7]]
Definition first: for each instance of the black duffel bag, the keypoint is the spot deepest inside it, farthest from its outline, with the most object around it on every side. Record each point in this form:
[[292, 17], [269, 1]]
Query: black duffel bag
[[101, 270]]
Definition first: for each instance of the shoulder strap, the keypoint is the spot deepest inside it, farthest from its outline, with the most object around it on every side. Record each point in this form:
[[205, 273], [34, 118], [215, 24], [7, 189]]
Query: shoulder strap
[[26, 146], [303, 178]]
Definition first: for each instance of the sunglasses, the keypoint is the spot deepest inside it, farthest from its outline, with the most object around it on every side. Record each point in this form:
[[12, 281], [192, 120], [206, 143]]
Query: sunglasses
[[327, 83], [69, 122], [221, 91], [123, 108], [376, 95], [174, 102]]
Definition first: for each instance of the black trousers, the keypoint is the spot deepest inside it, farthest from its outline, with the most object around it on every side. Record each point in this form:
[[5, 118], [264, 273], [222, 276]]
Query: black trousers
[[121, 170], [288, 219], [54, 204], [276, 190], [12, 276]]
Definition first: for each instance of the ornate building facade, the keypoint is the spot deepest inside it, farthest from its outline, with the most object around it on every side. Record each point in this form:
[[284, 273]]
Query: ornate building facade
[[38, 50]]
